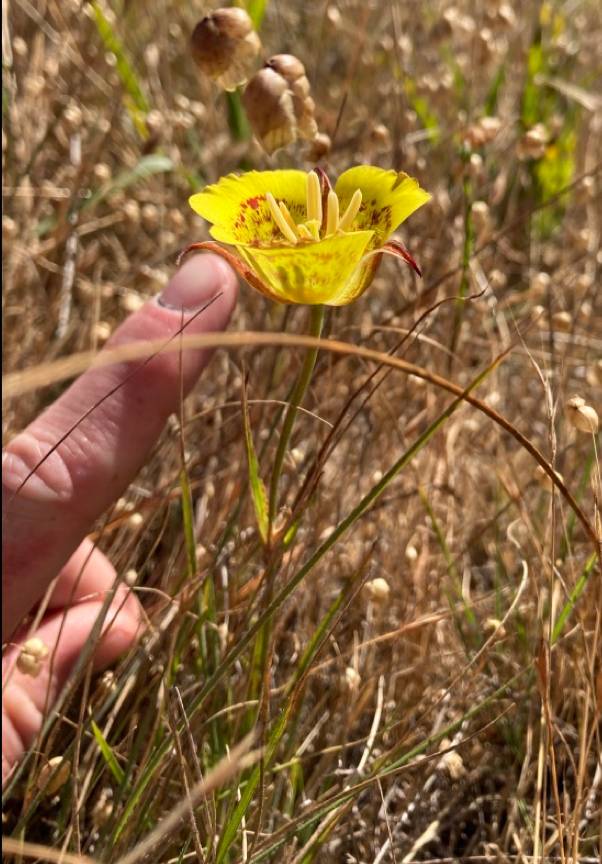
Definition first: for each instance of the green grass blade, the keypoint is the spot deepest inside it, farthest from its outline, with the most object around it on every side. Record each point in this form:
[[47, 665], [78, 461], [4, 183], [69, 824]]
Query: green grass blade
[[574, 597], [258, 491], [288, 589], [148, 166], [136, 102], [107, 754], [256, 10]]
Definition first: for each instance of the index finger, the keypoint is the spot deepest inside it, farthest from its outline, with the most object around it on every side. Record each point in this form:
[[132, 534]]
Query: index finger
[[52, 494]]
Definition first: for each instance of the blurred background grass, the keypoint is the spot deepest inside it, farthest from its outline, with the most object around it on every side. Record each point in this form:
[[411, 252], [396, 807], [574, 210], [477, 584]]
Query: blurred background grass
[[483, 634]]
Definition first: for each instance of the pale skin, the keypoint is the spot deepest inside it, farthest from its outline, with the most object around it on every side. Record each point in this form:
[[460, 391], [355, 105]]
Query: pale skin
[[46, 521]]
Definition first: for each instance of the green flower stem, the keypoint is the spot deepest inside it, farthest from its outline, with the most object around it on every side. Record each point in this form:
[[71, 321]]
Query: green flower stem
[[299, 391]]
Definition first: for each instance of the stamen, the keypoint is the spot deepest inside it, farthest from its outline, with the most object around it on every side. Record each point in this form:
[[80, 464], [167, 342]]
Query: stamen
[[332, 213], [314, 198], [280, 220], [351, 212], [287, 215]]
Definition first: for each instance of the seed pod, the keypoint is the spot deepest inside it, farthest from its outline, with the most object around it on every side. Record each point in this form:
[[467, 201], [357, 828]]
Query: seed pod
[[268, 102], [581, 415], [293, 72], [224, 46]]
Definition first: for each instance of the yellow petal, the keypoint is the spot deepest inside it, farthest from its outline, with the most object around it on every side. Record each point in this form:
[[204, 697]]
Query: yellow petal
[[310, 272], [388, 198], [237, 208]]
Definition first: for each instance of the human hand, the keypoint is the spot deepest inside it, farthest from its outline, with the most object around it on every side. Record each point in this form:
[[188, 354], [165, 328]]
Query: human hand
[[46, 521]]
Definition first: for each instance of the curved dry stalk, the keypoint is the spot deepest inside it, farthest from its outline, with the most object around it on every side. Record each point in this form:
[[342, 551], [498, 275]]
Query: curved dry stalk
[[17, 383]]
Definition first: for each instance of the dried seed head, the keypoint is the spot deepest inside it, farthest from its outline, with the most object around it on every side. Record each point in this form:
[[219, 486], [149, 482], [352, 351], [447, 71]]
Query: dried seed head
[[135, 521], [352, 679], [533, 143], [377, 589], [32, 656], [103, 807], [539, 285], [453, 763], [562, 321], [131, 211], [480, 216], [53, 775], [131, 301], [482, 132], [101, 331], [293, 71], [151, 217], [380, 136], [268, 102], [224, 46], [10, 228], [582, 416], [594, 374]]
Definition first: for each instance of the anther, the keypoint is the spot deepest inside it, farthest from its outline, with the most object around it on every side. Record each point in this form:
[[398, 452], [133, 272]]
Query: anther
[[280, 220], [314, 198], [351, 212], [287, 215], [332, 213]]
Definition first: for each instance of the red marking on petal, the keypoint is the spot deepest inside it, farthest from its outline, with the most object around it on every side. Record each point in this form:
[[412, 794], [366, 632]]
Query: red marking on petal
[[253, 202]]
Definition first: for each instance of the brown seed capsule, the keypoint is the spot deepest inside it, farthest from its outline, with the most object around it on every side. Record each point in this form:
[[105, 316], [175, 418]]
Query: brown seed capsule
[[268, 102], [293, 72], [224, 46]]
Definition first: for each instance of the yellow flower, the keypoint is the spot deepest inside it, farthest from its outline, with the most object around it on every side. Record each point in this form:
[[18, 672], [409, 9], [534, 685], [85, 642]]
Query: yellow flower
[[297, 240]]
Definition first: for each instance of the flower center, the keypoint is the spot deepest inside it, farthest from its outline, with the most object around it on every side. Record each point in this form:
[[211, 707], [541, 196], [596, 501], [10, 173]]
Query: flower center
[[311, 229]]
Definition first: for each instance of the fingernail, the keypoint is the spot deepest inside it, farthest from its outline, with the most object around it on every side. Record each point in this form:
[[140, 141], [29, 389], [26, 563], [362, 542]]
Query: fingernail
[[199, 280]]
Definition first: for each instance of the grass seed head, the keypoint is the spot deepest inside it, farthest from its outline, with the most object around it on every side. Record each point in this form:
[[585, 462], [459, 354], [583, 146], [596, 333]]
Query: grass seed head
[[377, 589], [562, 321], [582, 416], [224, 46], [533, 143], [32, 656], [53, 775]]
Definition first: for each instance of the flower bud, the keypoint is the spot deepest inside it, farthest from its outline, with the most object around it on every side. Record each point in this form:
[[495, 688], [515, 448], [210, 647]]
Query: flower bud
[[224, 46], [268, 102], [581, 415]]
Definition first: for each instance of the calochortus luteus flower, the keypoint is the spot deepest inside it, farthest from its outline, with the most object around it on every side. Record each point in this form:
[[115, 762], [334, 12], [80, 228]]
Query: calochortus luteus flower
[[298, 240]]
